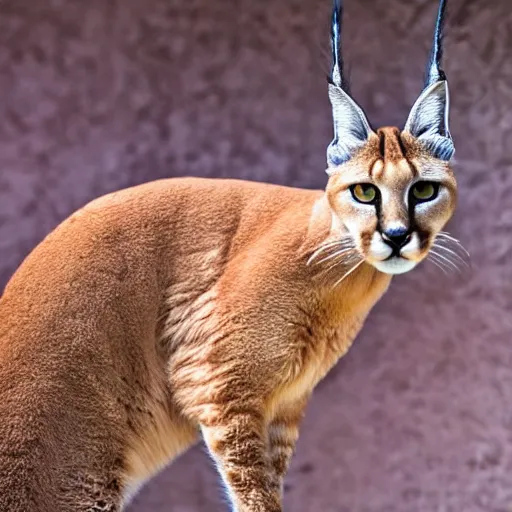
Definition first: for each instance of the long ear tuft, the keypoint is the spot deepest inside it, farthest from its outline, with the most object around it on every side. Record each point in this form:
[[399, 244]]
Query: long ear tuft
[[434, 72], [351, 127], [428, 119], [337, 77]]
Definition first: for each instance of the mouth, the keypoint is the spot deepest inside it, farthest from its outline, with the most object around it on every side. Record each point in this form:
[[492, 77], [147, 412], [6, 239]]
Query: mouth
[[394, 265], [391, 257]]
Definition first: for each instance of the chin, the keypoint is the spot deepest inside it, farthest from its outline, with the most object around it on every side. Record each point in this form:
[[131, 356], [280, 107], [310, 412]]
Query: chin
[[395, 265]]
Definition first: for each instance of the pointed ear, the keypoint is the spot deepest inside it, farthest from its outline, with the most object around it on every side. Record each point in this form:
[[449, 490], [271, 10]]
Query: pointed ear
[[351, 127], [428, 120]]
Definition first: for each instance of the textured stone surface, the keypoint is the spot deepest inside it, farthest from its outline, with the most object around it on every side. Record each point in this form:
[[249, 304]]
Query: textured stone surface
[[100, 94]]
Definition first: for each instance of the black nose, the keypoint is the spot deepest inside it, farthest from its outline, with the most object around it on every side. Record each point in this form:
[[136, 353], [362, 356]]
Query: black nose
[[396, 237]]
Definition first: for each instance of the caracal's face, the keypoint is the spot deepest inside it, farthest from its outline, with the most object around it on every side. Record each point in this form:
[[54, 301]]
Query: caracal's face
[[393, 198]]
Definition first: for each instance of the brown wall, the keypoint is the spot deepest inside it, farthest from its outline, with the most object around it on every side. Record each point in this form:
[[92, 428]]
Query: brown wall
[[96, 95]]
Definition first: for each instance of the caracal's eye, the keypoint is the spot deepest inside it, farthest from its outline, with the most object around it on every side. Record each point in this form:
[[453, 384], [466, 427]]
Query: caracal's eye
[[425, 190], [364, 193]]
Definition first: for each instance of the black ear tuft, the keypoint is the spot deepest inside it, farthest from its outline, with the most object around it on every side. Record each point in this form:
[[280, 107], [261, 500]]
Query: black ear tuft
[[434, 72], [337, 77], [428, 119]]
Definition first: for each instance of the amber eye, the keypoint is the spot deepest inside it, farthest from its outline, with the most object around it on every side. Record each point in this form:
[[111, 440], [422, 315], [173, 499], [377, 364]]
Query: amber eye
[[425, 190], [364, 193]]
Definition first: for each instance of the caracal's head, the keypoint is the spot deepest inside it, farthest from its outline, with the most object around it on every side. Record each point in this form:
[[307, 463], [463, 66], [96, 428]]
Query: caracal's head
[[392, 190]]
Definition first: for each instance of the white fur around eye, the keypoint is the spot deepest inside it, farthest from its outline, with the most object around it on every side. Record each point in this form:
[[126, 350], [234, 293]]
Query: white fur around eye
[[425, 206], [364, 211], [365, 207]]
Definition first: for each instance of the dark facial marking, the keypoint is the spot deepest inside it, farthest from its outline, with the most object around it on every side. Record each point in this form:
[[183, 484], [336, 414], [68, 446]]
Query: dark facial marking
[[390, 144]]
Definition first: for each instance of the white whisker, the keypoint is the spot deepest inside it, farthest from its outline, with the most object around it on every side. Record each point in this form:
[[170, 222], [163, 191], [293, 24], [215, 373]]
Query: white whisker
[[327, 246], [319, 251], [447, 260], [455, 254], [335, 254], [357, 265], [439, 264], [447, 236], [338, 262]]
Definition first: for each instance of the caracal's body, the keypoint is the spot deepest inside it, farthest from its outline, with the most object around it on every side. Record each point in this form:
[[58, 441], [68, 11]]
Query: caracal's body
[[155, 310]]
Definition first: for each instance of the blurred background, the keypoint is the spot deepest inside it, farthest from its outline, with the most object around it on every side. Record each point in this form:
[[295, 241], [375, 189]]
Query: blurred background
[[97, 95]]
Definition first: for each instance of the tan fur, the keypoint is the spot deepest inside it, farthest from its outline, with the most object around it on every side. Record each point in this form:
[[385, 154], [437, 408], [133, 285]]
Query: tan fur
[[181, 307]]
